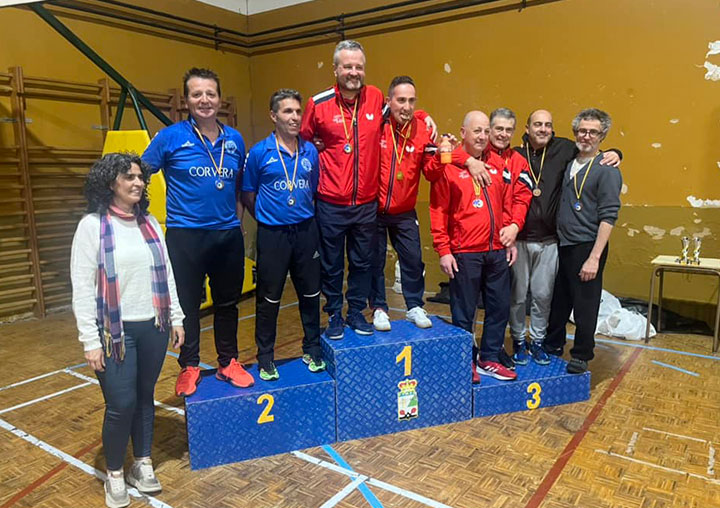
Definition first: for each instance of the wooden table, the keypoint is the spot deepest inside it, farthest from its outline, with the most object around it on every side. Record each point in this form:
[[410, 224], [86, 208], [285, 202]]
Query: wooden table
[[662, 264]]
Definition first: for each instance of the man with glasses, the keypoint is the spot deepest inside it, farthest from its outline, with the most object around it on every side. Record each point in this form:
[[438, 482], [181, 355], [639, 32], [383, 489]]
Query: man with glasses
[[587, 211], [537, 259]]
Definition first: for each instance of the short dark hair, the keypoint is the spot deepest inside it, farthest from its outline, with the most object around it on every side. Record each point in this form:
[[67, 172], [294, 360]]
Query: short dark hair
[[103, 173], [280, 95], [197, 72], [400, 80], [593, 114]]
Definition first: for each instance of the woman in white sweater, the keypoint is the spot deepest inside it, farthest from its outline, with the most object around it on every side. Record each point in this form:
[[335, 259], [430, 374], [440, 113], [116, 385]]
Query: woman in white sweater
[[126, 306]]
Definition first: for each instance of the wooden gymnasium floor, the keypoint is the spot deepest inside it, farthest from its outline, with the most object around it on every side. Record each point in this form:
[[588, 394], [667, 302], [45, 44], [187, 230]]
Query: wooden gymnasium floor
[[646, 438]]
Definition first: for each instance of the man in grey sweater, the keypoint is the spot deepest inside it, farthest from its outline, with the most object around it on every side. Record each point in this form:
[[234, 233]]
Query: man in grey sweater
[[588, 209]]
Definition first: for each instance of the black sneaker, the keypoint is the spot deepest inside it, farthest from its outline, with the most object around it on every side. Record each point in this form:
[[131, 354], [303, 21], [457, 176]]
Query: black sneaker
[[506, 360], [357, 322], [551, 350], [538, 353], [520, 353], [335, 328], [577, 366]]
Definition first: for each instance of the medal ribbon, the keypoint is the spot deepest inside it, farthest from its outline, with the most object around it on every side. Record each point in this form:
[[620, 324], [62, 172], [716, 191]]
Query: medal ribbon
[[542, 163], [342, 116], [578, 193], [222, 153], [405, 134], [291, 183]]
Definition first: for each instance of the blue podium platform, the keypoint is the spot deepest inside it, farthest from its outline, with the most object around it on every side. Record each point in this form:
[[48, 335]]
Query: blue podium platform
[[227, 424], [400, 380], [536, 386]]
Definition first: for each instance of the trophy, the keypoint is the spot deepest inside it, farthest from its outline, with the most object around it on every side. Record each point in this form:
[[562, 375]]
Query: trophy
[[683, 259], [696, 251]]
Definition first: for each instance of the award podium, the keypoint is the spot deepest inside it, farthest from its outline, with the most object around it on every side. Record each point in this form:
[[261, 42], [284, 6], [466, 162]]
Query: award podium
[[384, 383], [403, 379], [227, 424], [536, 386]]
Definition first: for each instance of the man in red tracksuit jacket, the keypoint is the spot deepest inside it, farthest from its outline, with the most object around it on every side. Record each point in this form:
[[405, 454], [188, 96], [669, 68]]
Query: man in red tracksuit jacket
[[346, 120], [406, 150], [466, 223]]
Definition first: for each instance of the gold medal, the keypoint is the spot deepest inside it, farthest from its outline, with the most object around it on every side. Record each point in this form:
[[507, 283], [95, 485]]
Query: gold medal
[[400, 176], [347, 148]]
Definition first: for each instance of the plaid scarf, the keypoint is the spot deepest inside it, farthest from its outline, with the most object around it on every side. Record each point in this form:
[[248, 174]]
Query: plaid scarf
[[108, 292]]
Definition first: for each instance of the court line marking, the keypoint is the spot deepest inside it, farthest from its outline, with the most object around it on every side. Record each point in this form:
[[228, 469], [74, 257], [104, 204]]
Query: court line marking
[[345, 492], [86, 468], [631, 444], [383, 485], [657, 466], [44, 397], [96, 382], [364, 490], [42, 376], [681, 436], [39, 481], [557, 468], [176, 355], [205, 329], [673, 367]]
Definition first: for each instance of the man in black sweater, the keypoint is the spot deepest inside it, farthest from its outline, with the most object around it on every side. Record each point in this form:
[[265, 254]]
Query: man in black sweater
[[537, 263], [587, 211]]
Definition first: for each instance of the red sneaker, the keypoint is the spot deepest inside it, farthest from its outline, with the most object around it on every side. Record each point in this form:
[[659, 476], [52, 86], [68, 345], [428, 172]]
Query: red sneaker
[[496, 370], [475, 375], [187, 381], [235, 375]]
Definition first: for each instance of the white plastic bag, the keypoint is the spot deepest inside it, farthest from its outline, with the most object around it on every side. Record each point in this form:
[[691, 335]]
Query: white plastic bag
[[615, 321]]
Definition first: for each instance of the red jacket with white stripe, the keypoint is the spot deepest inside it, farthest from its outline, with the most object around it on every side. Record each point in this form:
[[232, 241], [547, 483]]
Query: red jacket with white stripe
[[401, 163], [518, 172], [463, 221], [346, 178]]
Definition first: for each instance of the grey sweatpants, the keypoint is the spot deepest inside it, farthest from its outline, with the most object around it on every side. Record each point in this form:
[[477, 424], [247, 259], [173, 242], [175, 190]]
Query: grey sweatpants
[[535, 268]]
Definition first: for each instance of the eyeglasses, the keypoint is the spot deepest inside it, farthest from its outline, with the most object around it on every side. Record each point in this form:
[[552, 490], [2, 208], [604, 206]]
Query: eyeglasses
[[591, 133]]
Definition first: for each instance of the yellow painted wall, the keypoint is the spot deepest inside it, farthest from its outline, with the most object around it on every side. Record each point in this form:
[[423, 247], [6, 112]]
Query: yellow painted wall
[[641, 61], [147, 61]]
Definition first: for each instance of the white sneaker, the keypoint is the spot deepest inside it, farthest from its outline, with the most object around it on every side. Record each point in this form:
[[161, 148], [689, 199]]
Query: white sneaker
[[397, 286], [381, 321], [116, 494], [142, 476], [418, 317]]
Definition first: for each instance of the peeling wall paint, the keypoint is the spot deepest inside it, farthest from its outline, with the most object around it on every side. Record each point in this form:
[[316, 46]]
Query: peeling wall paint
[[713, 71], [632, 232], [655, 233], [320, 64], [713, 48], [624, 189], [674, 121], [447, 68], [677, 231], [702, 234], [656, 145], [703, 203]]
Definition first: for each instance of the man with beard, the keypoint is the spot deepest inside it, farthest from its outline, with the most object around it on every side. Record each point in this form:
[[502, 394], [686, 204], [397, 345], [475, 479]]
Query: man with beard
[[536, 266], [587, 211], [346, 121]]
